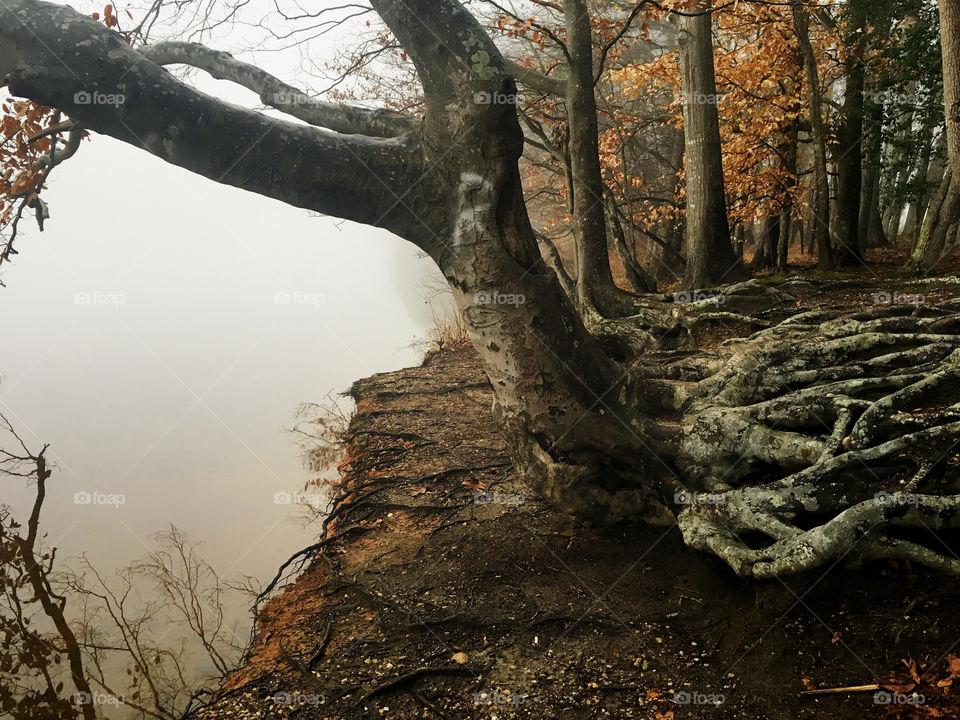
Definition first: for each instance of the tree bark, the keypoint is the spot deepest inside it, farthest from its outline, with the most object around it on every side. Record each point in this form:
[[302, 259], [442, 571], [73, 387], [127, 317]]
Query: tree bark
[[871, 223], [595, 286], [821, 194], [933, 243], [932, 169], [848, 153], [710, 256]]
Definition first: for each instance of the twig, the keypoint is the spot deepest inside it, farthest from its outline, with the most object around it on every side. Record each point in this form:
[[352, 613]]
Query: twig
[[318, 654], [429, 705], [413, 675], [836, 690]]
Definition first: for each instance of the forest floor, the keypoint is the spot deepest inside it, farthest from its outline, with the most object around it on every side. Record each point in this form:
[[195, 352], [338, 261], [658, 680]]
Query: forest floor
[[441, 590]]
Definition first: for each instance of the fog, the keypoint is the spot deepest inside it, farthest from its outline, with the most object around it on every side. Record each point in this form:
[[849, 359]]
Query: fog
[[160, 333]]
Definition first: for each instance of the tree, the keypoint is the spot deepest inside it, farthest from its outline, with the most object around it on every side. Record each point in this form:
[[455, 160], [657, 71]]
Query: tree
[[945, 209], [848, 152], [784, 429], [73, 640], [594, 280], [32, 681], [821, 194], [710, 256]]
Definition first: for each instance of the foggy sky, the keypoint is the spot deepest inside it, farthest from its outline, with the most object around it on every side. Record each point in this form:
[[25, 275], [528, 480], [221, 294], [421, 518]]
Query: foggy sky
[[160, 333]]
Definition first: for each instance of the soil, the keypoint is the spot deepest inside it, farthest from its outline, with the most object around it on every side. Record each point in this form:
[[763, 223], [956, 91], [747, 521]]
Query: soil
[[441, 590]]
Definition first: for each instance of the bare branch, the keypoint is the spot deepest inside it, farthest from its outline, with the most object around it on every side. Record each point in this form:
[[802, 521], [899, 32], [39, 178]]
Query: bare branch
[[347, 176], [278, 94]]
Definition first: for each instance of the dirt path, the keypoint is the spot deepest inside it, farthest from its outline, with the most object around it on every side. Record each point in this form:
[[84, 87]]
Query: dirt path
[[443, 592]]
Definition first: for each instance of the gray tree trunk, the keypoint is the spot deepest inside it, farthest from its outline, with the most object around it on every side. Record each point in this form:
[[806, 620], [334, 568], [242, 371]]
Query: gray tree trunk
[[820, 224], [931, 247], [848, 152], [932, 169], [595, 286], [710, 256]]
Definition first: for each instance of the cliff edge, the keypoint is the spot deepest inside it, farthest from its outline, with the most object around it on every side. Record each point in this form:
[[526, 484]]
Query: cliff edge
[[441, 590]]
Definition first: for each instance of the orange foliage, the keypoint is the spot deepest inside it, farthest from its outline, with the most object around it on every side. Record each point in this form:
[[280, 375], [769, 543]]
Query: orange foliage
[[22, 172], [26, 138]]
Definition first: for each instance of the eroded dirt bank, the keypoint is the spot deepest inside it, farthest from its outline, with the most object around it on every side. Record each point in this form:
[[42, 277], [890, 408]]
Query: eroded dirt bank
[[442, 591]]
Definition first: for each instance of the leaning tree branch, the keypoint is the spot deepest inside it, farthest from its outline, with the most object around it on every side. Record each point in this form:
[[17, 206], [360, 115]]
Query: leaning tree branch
[[55, 56], [279, 95], [536, 80]]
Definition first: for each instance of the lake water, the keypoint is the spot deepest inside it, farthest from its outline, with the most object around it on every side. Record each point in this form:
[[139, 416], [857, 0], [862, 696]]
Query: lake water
[[160, 334]]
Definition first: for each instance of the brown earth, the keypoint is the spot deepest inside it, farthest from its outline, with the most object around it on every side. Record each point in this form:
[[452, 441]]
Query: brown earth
[[441, 591]]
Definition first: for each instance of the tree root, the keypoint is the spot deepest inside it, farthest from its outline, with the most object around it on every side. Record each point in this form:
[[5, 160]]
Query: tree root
[[819, 440]]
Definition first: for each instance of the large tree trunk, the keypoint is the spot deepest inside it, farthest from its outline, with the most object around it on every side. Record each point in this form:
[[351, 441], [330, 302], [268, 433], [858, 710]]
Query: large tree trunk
[[710, 256], [595, 287], [933, 245], [848, 151], [821, 193]]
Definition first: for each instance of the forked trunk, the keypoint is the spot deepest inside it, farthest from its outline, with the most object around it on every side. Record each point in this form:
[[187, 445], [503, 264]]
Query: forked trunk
[[595, 287], [820, 224]]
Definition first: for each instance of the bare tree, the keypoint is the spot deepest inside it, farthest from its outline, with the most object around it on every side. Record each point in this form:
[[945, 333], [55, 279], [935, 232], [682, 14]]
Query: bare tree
[[32, 685], [113, 633], [125, 622]]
